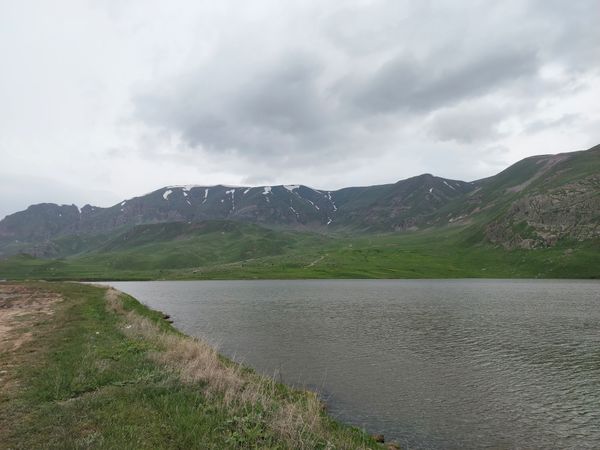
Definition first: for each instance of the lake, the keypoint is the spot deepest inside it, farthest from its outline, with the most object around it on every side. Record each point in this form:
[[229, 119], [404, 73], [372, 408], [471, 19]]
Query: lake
[[442, 364]]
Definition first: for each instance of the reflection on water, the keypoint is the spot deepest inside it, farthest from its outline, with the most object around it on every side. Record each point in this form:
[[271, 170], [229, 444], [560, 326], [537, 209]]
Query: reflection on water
[[431, 364]]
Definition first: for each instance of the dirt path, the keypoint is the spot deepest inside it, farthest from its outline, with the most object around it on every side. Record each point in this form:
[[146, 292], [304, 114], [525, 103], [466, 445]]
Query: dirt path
[[316, 261]]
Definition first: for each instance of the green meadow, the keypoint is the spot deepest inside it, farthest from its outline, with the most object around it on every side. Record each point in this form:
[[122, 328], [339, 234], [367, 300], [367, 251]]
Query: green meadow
[[228, 250]]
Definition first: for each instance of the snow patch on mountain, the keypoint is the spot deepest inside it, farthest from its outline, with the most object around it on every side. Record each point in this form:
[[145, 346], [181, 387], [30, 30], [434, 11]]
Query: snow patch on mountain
[[291, 187], [451, 187], [331, 201], [317, 208], [266, 190], [167, 193], [232, 193]]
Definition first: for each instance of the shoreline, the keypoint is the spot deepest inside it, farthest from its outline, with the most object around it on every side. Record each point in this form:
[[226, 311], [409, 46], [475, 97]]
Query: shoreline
[[135, 350], [93, 280]]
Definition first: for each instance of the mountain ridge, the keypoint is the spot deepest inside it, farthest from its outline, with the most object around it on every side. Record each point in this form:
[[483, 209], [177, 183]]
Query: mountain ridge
[[527, 205]]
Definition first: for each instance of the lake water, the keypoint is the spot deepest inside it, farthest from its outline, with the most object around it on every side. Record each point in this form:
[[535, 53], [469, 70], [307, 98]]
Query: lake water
[[430, 364]]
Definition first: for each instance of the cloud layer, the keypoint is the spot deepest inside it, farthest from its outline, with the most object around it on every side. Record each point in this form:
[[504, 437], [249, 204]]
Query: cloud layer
[[324, 93]]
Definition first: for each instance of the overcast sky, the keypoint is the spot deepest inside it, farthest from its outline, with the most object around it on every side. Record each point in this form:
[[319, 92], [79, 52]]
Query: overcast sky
[[107, 99]]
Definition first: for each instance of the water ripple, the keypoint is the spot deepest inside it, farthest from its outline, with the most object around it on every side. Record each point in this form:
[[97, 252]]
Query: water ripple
[[431, 364]]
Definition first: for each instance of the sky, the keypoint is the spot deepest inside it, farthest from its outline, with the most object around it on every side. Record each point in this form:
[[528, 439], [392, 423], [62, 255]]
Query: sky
[[108, 99]]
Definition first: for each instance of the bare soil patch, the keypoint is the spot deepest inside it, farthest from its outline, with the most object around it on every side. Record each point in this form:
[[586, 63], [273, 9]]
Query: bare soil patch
[[21, 309]]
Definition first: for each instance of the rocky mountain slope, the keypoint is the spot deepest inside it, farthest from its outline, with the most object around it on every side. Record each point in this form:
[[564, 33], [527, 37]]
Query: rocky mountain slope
[[533, 203], [560, 199]]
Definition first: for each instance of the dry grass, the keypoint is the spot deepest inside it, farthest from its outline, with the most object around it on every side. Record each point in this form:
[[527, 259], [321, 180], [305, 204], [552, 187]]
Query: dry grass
[[297, 420], [22, 308]]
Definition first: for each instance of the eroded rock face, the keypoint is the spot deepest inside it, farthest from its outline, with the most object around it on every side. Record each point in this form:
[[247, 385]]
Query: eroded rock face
[[541, 219]]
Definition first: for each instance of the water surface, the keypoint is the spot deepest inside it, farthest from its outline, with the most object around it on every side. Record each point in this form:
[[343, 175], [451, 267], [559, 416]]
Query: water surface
[[431, 364]]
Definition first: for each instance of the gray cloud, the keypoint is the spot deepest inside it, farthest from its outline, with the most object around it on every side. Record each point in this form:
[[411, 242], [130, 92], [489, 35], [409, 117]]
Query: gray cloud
[[564, 120], [136, 94], [285, 99], [270, 111], [467, 124], [402, 84], [299, 102]]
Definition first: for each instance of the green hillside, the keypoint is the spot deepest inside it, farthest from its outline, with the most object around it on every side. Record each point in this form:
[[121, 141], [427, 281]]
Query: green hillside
[[233, 250]]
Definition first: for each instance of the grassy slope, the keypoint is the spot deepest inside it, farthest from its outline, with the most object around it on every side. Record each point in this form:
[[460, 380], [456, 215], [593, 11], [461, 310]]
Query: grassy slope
[[422, 255], [447, 253], [83, 382], [177, 245]]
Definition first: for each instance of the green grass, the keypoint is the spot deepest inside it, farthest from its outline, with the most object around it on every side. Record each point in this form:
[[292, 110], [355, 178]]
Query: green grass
[[424, 255], [83, 383], [247, 254]]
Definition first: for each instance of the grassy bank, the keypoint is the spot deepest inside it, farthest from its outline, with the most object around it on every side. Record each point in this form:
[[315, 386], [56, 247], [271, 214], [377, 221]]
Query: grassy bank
[[87, 367]]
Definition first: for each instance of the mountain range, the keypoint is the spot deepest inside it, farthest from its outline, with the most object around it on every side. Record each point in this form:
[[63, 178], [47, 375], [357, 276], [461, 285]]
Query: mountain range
[[538, 202]]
